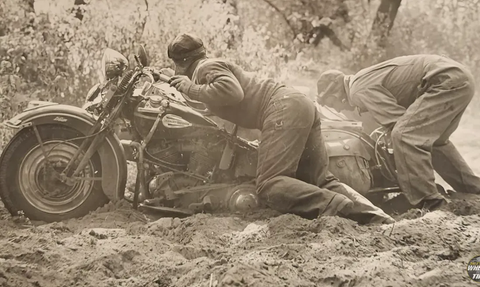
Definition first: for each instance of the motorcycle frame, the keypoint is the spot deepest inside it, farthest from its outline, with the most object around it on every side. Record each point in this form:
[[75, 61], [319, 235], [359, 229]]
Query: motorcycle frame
[[142, 166], [140, 146]]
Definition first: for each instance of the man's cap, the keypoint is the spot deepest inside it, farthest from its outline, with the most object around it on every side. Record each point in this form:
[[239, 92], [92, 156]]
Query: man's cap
[[330, 82], [185, 46]]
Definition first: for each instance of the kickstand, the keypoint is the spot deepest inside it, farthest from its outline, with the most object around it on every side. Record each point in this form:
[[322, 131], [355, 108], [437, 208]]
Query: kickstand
[[136, 193]]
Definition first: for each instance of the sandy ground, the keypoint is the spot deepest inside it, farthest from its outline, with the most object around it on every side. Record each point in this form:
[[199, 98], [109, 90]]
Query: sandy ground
[[116, 246]]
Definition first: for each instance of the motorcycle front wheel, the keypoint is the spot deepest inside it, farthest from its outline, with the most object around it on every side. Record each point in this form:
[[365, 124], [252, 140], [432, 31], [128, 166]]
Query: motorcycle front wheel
[[29, 184]]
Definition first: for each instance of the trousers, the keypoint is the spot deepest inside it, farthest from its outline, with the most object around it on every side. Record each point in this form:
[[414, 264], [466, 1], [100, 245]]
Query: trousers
[[293, 160], [421, 142]]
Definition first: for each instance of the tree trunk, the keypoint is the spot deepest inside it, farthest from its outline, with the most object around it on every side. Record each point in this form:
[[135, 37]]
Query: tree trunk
[[29, 5], [78, 9], [383, 23]]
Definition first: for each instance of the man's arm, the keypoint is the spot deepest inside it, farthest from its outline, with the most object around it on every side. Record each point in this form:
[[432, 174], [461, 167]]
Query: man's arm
[[381, 104], [217, 86]]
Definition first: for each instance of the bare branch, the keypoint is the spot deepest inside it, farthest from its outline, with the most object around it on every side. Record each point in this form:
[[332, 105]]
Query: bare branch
[[144, 24], [146, 4], [283, 16]]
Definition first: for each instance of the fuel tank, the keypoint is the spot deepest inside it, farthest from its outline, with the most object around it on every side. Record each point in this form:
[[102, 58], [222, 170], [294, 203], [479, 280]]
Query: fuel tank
[[177, 120]]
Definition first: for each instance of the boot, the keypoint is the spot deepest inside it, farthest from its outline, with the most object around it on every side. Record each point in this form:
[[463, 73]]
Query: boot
[[432, 204], [339, 205]]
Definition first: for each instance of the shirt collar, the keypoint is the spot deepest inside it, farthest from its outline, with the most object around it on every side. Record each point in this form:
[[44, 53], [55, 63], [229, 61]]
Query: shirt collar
[[197, 64], [347, 83]]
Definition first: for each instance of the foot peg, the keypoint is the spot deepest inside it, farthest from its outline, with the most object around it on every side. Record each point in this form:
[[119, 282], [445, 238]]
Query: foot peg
[[204, 206]]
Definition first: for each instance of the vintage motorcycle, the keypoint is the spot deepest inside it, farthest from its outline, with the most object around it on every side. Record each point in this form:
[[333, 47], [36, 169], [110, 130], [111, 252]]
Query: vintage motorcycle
[[65, 161]]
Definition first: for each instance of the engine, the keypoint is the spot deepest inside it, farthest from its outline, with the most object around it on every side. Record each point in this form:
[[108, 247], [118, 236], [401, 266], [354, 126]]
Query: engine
[[197, 156], [202, 162]]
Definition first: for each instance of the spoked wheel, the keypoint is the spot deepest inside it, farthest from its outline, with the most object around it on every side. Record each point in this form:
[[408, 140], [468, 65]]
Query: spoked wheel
[[31, 183]]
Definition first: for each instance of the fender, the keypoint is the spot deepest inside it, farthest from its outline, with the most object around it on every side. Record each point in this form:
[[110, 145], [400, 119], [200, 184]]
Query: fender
[[111, 151], [346, 143], [349, 158]]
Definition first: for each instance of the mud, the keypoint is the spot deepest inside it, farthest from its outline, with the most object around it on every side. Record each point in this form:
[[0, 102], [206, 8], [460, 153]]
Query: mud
[[117, 246]]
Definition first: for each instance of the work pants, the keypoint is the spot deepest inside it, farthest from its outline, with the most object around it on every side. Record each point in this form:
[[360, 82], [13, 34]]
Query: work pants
[[421, 139], [291, 146]]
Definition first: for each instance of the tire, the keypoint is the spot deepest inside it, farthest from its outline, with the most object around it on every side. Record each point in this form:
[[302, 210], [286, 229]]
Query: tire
[[24, 186]]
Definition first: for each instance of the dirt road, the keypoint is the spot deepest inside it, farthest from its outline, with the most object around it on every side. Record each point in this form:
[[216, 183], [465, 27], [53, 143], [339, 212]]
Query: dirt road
[[116, 246]]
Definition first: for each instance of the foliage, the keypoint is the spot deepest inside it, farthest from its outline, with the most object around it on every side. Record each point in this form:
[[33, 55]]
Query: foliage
[[56, 56], [449, 28]]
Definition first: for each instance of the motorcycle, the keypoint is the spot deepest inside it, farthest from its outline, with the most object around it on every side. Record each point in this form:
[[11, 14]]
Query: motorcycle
[[65, 161]]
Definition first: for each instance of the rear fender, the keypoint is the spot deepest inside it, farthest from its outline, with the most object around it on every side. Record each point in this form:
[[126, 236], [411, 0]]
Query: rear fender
[[112, 156]]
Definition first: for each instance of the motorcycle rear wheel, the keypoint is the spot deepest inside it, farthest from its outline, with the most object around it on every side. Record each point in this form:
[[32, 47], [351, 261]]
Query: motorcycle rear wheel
[[27, 185]]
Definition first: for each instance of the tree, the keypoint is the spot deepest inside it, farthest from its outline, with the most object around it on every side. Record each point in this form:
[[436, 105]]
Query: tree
[[29, 5], [311, 20], [323, 29], [383, 23], [78, 9]]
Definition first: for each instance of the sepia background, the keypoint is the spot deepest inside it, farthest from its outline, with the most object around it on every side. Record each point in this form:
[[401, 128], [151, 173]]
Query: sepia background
[[51, 50]]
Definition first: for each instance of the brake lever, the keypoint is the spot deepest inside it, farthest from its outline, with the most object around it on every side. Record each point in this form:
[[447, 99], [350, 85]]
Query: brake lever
[[137, 59], [164, 78]]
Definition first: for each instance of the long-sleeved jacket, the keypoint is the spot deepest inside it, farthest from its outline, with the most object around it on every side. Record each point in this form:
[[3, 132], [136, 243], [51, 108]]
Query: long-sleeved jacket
[[387, 89], [233, 94]]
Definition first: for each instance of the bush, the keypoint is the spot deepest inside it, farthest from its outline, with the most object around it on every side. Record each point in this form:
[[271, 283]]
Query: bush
[[56, 57]]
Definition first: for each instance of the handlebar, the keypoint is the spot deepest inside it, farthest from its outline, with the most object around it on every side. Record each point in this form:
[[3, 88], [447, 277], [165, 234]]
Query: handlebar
[[189, 102], [164, 78]]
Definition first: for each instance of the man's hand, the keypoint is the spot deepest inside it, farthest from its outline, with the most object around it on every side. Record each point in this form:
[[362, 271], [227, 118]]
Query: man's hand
[[181, 83], [156, 73]]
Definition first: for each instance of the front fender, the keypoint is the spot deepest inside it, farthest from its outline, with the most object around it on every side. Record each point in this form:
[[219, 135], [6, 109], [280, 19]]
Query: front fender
[[112, 155]]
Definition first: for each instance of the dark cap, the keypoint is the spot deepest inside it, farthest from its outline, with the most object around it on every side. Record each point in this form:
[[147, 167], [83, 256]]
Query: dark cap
[[185, 46], [330, 83]]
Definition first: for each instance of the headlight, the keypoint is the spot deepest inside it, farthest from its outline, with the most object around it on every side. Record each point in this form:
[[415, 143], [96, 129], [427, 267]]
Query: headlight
[[113, 64]]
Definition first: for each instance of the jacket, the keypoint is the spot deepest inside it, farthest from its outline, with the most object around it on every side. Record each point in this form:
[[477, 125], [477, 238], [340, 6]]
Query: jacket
[[387, 89], [233, 94]]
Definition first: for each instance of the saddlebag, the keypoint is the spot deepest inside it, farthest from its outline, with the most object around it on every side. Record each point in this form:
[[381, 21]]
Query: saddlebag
[[349, 159]]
